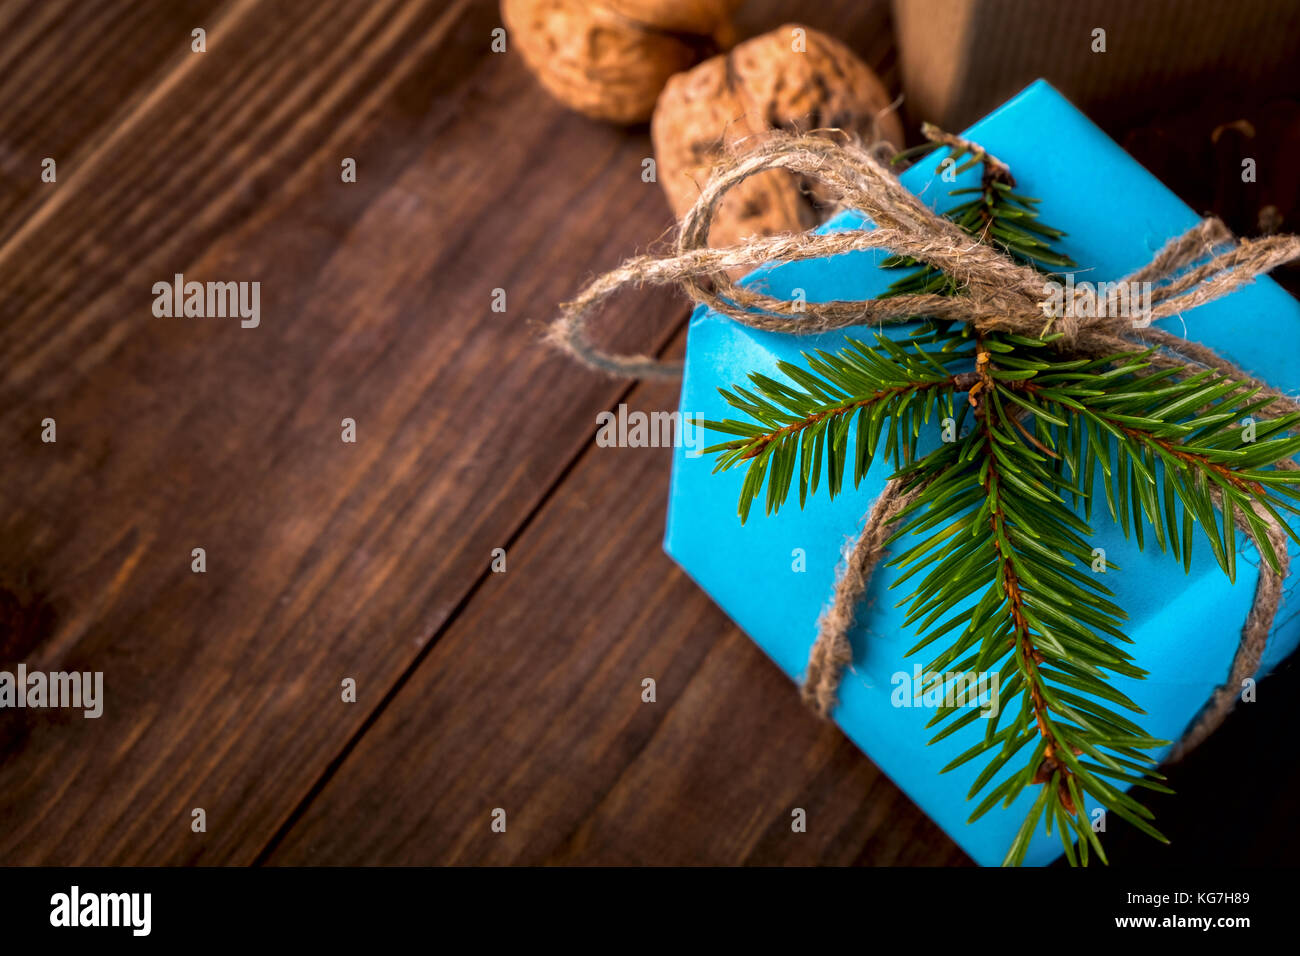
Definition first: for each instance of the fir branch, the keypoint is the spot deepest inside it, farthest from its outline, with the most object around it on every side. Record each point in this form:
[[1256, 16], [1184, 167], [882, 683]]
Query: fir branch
[[1016, 555], [1136, 429], [795, 428], [999, 521]]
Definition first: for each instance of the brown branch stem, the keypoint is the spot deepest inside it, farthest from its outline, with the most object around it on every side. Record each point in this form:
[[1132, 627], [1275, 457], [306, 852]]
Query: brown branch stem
[[958, 383], [1022, 643]]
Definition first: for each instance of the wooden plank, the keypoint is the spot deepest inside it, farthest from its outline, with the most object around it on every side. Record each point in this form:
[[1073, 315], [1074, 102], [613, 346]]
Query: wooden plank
[[69, 72], [531, 702], [325, 560]]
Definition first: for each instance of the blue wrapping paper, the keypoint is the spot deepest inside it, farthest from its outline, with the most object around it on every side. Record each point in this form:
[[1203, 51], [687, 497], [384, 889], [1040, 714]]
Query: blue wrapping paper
[[1185, 627]]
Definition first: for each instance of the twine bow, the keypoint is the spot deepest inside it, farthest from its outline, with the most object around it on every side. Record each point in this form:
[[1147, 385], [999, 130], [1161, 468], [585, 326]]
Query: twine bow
[[998, 294]]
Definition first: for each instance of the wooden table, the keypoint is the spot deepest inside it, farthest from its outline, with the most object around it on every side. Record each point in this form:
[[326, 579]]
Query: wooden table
[[370, 561]]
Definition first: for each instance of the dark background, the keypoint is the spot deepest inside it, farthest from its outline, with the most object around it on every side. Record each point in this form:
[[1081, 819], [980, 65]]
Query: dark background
[[327, 560]]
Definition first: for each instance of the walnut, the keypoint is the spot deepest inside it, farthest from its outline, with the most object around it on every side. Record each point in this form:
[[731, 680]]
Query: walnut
[[764, 83], [700, 17], [610, 58]]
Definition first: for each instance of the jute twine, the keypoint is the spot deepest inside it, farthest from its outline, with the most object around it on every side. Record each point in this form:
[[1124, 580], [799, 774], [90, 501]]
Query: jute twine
[[998, 294]]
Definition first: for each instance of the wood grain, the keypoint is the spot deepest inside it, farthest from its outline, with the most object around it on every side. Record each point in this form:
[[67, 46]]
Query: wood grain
[[70, 71], [531, 702], [325, 560]]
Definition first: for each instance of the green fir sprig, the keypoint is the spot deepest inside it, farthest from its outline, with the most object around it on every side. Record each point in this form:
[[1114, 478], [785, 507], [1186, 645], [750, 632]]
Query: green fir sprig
[[997, 535]]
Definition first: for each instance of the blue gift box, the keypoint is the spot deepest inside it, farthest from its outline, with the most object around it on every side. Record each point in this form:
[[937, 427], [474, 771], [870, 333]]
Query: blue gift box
[[1185, 628]]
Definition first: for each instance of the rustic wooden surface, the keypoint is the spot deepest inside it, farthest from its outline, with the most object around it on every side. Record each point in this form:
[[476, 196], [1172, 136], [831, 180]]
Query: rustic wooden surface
[[326, 560]]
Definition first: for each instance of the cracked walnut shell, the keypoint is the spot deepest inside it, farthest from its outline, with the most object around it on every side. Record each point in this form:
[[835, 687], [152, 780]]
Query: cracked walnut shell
[[793, 78]]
